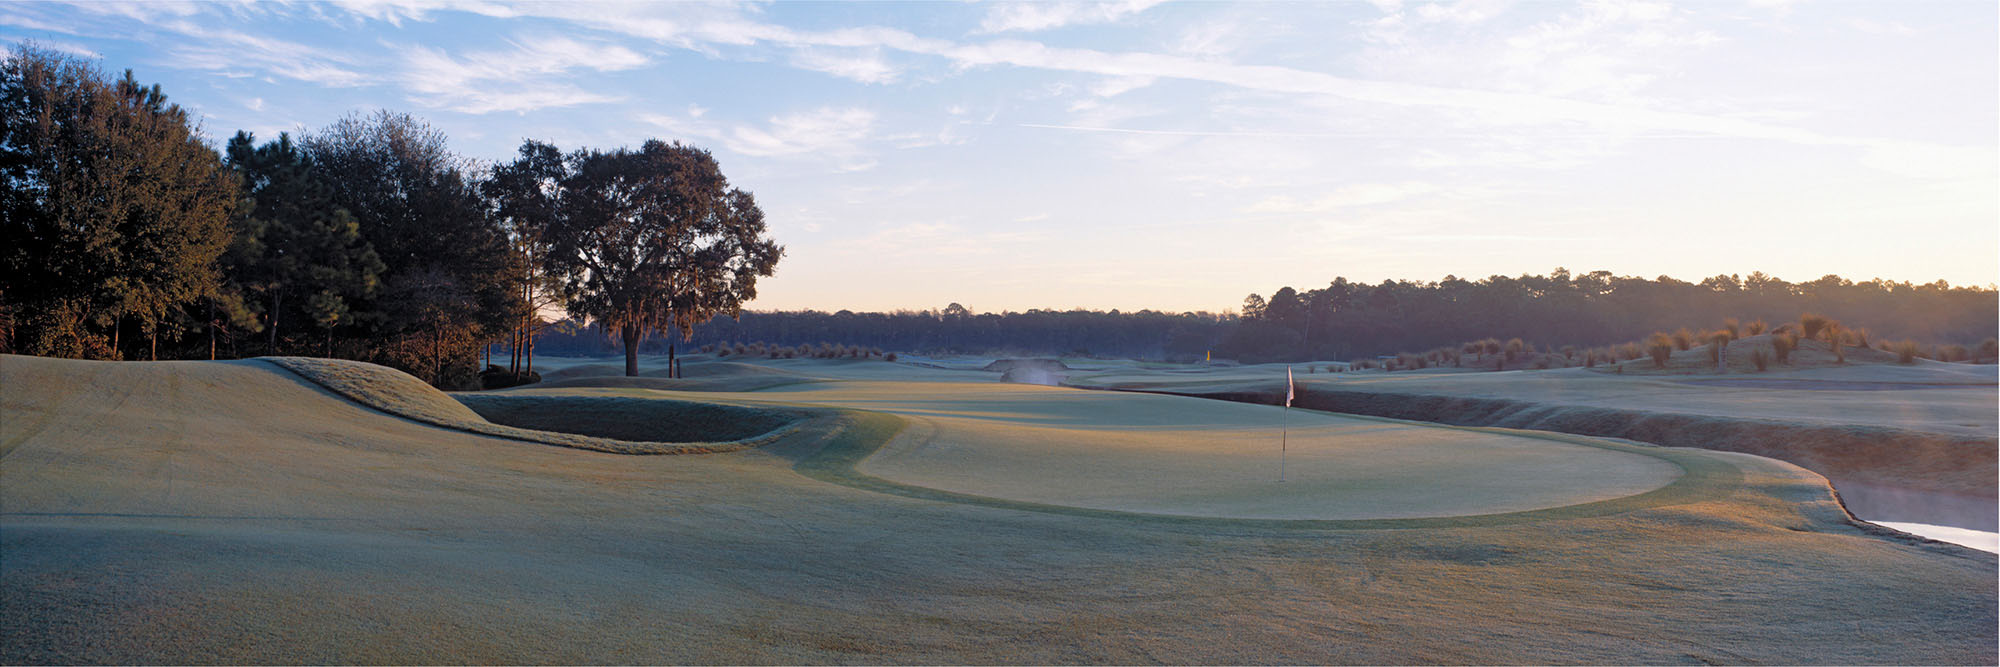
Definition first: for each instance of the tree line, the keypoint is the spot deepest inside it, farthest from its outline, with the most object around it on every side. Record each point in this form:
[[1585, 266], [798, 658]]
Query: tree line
[[127, 236], [1347, 320], [1144, 334]]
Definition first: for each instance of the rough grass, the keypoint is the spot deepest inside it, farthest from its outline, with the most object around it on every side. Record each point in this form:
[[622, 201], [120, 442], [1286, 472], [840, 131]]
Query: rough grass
[[397, 393]]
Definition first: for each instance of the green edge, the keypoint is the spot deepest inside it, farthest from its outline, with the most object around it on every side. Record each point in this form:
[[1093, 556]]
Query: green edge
[[863, 433]]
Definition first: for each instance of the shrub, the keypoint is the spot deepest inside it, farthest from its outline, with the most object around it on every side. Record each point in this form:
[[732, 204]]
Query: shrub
[[1906, 352], [1683, 339], [1660, 346], [889, 356], [1781, 347], [1758, 359], [1811, 325], [1954, 353], [1988, 349], [1569, 351], [1590, 359], [1515, 347], [1630, 351], [1491, 345], [1756, 327], [1473, 349], [722, 352], [1542, 364], [1732, 327], [1833, 333]]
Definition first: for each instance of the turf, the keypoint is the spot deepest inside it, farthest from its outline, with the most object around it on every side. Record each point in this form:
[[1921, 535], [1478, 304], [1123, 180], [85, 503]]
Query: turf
[[233, 512]]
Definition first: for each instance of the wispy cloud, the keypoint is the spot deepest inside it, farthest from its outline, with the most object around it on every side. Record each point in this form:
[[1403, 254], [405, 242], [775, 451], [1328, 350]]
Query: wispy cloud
[[523, 78], [835, 135], [1032, 16], [229, 51], [863, 65]]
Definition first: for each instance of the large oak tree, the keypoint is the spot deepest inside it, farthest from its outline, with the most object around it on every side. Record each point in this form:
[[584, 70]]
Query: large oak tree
[[656, 239]]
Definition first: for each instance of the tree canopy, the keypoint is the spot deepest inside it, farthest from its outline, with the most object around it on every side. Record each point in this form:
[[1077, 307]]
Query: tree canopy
[[656, 239], [115, 210]]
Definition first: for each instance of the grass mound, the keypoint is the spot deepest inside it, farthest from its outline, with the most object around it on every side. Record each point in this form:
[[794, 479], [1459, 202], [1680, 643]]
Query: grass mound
[[629, 418], [397, 393], [380, 387]]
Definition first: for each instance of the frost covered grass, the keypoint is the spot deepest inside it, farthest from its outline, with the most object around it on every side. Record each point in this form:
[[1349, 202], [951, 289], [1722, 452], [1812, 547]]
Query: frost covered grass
[[619, 426]]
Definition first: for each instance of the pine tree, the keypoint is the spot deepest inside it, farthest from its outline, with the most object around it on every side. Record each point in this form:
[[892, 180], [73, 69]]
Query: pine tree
[[293, 242]]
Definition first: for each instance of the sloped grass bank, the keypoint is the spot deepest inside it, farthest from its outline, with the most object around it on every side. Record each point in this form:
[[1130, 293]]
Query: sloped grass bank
[[614, 425]]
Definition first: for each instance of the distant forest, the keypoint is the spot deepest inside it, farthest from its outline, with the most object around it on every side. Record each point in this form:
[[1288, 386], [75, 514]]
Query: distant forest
[[1350, 320], [1142, 334], [1346, 320]]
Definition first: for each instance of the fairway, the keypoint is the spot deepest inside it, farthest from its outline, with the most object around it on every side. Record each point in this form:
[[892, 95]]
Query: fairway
[[235, 512]]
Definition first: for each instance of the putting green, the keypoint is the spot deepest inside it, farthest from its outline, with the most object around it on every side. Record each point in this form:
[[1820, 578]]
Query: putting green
[[1177, 456]]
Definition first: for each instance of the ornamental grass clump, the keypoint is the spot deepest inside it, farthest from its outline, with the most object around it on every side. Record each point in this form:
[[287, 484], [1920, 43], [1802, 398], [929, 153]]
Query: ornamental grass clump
[[1683, 339], [1660, 346], [1906, 352], [1811, 325]]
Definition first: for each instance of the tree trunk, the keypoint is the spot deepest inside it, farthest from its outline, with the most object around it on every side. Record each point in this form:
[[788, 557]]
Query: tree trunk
[[671, 372], [153, 343], [531, 351], [211, 329], [117, 327], [514, 354], [277, 303], [437, 356], [329, 343], [630, 334]]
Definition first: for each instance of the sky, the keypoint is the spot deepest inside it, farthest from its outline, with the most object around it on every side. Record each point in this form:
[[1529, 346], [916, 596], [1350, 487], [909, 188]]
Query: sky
[[1178, 156]]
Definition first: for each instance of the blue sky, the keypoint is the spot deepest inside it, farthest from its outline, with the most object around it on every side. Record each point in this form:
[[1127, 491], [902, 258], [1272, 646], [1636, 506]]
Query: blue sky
[[1178, 156]]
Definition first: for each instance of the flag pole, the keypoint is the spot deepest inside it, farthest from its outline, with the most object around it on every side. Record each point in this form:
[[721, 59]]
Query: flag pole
[[1285, 425]]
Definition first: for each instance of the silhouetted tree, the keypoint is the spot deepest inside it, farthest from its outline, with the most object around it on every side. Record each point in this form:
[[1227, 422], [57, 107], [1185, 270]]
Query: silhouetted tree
[[527, 200], [292, 240], [418, 206], [656, 239]]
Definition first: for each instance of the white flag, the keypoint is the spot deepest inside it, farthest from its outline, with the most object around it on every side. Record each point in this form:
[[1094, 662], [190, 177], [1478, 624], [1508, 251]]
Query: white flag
[[1289, 387]]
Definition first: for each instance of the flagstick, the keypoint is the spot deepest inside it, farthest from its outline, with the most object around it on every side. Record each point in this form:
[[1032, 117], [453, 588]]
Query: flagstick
[[1285, 424]]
